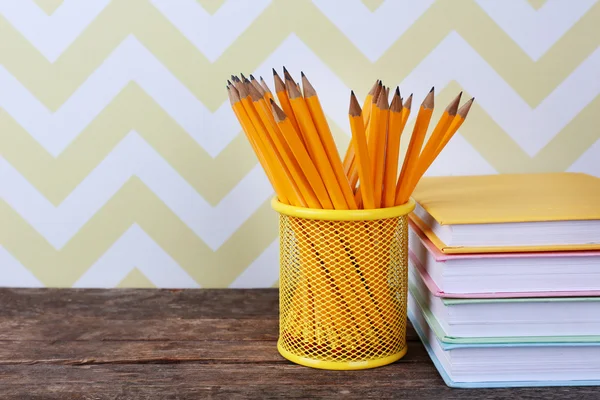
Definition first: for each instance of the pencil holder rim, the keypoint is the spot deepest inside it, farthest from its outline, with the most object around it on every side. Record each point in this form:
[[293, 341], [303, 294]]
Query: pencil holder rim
[[343, 215]]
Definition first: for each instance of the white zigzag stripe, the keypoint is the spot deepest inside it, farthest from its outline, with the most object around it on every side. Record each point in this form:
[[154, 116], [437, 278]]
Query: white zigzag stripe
[[454, 59], [263, 272], [535, 31], [588, 161], [211, 34], [134, 157], [51, 34], [130, 61], [460, 158], [13, 273], [135, 249], [373, 32]]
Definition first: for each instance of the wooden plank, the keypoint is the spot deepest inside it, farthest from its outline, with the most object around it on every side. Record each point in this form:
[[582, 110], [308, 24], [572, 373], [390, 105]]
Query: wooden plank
[[139, 352], [140, 303], [49, 328], [233, 381], [145, 314]]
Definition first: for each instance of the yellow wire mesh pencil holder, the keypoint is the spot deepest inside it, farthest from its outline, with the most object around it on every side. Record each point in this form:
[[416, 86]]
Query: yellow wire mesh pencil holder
[[343, 286]]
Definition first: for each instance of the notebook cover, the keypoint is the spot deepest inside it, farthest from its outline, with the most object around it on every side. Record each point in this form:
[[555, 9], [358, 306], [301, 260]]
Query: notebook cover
[[499, 198], [494, 249], [440, 256], [436, 291], [512, 340], [495, 384]]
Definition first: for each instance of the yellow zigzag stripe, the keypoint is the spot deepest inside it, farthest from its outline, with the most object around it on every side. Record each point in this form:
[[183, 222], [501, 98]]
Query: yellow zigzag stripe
[[211, 6], [135, 203], [52, 84], [136, 279], [49, 6], [134, 109]]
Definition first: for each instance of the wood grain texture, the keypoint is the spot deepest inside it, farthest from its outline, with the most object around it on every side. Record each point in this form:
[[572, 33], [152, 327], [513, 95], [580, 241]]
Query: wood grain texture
[[148, 344]]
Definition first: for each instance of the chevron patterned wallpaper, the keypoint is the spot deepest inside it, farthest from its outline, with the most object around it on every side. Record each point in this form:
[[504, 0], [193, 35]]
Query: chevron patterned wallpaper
[[122, 165]]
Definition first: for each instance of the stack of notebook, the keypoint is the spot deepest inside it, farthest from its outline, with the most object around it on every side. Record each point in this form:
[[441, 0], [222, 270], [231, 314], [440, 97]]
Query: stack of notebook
[[505, 278]]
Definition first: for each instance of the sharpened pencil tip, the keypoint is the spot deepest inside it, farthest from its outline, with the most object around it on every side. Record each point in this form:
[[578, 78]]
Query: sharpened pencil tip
[[284, 69], [453, 106], [398, 90], [464, 110], [252, 78], [431, 89], [274, 72]]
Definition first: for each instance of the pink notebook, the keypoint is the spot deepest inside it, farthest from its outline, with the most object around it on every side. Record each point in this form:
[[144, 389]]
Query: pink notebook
[[504, 275]]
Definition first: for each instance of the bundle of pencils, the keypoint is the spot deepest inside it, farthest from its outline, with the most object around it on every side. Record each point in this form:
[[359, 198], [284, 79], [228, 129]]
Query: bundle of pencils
[[341, 295], [294, 144]]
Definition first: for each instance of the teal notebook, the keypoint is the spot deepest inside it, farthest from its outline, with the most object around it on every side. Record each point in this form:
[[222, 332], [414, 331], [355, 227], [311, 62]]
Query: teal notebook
[[416, 317]]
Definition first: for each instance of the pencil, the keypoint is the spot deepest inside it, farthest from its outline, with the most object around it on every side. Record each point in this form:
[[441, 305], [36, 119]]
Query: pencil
[[315, 146], [266, 115], [379, 145], [291, 190], [264, 155], [436, 138], [284, 101], [359, 141], [306, 163], [395, 128], [457, 121], [268, 94], [318, 116], [414, 147], [349, 157]]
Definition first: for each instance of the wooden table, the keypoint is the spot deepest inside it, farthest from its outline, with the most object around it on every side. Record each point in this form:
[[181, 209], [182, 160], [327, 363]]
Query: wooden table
[[178, 344]]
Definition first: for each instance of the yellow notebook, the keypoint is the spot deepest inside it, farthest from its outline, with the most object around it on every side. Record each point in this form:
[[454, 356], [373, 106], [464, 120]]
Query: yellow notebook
[[510, 212]]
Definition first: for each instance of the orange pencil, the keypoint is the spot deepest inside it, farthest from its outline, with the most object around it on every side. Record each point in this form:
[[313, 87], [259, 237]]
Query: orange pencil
[[457, 121], [359, 142], [263, 153], [284, 100], [395, 128], [283, 149], [378, 146], [349, 157], [315, 146], [318, 116], [293, 193], [414, 147], [268, 94], [435, 139], [306, 164]]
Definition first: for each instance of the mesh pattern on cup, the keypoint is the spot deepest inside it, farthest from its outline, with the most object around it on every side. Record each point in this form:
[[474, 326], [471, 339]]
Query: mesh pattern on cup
[[343, 288]]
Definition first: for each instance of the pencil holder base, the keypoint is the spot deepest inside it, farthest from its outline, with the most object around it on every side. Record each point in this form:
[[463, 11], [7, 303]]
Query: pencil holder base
[[339, 366]]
